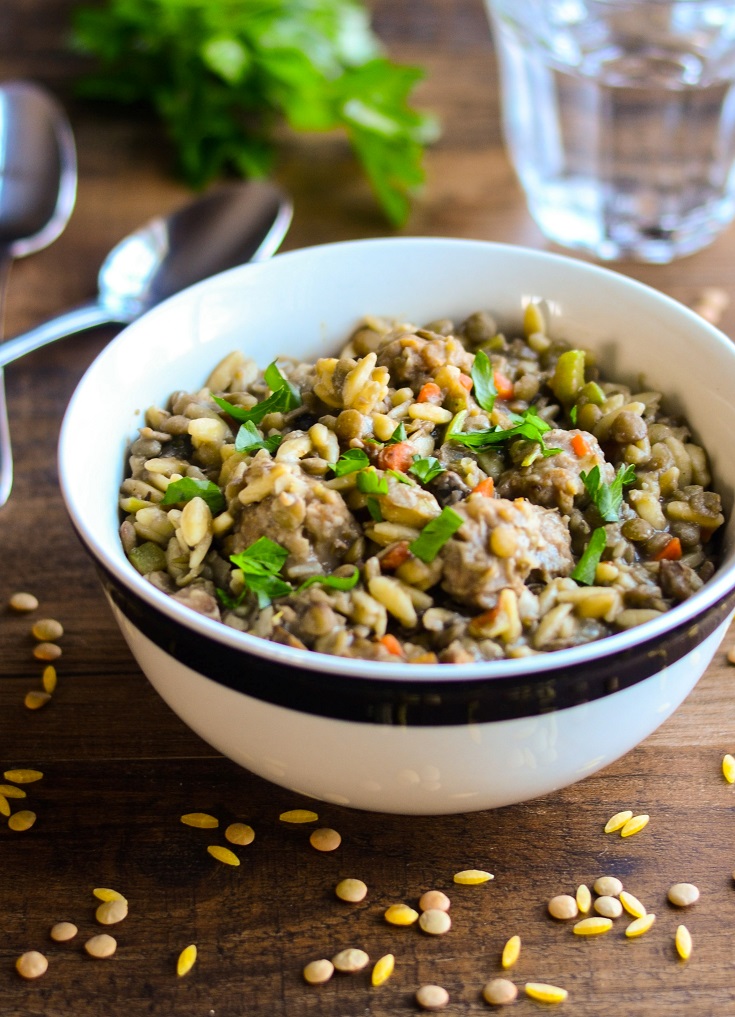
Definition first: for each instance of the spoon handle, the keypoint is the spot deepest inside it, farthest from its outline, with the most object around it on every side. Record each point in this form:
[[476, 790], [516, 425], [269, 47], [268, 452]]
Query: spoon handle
[[78, 319]]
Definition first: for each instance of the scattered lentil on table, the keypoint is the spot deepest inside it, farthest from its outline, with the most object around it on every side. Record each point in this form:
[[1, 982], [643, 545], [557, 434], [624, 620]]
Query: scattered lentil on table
[[683, 942], [31, 964], [683, 895], [240, 833], [563, 907], [62, 932], [499, 992], [434, 899], [607, 886], [186, 960], [350, 960], [632, 905], [639, 926], [317, 972], [432, 997], [325, 839], [435, 922], [383, 969], [101, 946], [23, 602], [351, 890]]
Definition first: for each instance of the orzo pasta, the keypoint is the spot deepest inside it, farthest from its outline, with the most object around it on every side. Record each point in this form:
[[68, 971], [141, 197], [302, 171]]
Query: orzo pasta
[[433, 494]]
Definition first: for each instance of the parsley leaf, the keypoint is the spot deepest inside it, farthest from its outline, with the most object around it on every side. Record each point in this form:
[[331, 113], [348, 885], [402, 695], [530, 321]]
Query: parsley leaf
[[398, 435], [261, 564], [351, 461], [334, 582], [373, 507], [369, 481], [277, 402], [426, 468], [584, 571], [249, 438], [608, 497], [184, 490], [223, 76], [527, 425], [435, 534], [483, 378], [277, 382]]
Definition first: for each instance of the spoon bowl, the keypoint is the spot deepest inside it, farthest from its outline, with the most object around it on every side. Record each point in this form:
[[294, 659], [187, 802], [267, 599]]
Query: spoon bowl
[[230, 225], [38, 181]]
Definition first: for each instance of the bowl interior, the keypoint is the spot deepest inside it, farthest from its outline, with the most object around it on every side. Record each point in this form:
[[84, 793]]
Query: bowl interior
[[305, 303]]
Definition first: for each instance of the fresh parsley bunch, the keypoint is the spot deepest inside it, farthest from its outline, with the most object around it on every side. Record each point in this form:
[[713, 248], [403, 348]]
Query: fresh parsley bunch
[[223, 74]]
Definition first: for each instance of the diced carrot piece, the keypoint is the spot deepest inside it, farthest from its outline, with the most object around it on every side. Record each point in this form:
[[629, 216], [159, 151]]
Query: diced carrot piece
[[486, 488], [466, 382], [670, 552], [395, 556], [580, 446], [503, 385], [430, 393], [396, 457], [391, 644]]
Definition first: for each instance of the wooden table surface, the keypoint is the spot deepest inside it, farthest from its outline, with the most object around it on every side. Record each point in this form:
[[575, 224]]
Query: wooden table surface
[[120, 769]]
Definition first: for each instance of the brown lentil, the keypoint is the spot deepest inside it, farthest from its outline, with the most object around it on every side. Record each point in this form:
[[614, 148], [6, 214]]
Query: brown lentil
[[22, 820], [563, 907], [240, 833], [101, 946], [47, 630], [110, 912], [608, 907], [435, 922], [317, 972], [683, 894], [23, 602], [351, 890], [350, 960], [432, 997], [62, 932], [325, 839], [35, 699], [46, 651], [186, 960], [31, 964], [607, 886], [499, 992], [434, 900]]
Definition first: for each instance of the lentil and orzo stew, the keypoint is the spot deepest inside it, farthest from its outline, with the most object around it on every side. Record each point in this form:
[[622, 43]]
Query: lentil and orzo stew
[[438, 493]]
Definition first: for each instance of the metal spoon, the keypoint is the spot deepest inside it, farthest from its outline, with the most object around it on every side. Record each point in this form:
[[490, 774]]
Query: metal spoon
[[38, 181], [224, 228]]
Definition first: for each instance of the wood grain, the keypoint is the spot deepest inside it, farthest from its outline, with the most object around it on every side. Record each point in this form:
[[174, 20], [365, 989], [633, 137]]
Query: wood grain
[[120, 768]]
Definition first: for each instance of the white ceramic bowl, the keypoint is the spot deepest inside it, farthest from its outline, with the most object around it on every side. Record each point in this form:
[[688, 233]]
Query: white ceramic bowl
[[402, 738]]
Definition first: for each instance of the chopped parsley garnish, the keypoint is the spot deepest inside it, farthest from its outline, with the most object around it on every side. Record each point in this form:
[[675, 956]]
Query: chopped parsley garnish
[[573, 414], [483, 378], [584, 571], [369, 481], [278, 382], [184, 490], [435, 535], [351, 461], [608, 497], [249, 438], [401, 477], [398, 435], [284, 397], [426, 468], [373, 507], [334, 582], [261, 564], [527, 424]]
